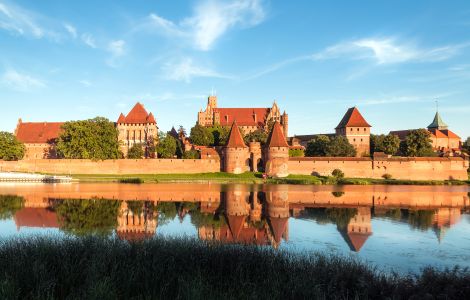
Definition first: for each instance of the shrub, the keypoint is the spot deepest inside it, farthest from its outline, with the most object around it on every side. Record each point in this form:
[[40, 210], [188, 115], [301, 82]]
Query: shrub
[[135, 152], [131, 180], [296, 153], [337, 173], [191, 154], [387, 176]]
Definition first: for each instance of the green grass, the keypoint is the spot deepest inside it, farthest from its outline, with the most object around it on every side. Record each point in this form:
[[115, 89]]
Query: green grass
[[101, 268]]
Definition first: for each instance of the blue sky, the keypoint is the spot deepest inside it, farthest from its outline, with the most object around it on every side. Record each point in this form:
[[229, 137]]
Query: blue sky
[[79, 59]]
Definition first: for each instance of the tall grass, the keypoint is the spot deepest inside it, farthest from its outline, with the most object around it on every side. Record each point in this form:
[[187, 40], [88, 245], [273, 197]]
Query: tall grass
[[108, 268]]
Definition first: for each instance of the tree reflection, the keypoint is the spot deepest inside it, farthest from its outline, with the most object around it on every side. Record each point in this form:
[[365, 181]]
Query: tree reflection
[[9, 205], [335, 215]]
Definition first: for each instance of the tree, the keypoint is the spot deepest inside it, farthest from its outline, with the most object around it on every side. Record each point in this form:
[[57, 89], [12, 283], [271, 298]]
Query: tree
[[95, 139], [10, 147], [191, 154], [258, 135], [417, 143], [389, 144], [219, 135], [317, 146], [466, 145], [340, 146], [9, 205], [167, 147], [201, 136], [296, 153], [135, 152]]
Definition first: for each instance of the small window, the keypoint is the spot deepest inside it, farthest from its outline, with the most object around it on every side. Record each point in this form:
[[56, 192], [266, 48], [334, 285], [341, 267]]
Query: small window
[[351, 129], [364, 129], [358, 129]]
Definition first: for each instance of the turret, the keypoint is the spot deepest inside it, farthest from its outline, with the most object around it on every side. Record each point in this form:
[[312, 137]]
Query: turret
[[285, 123], [277, 153], [236, 155]]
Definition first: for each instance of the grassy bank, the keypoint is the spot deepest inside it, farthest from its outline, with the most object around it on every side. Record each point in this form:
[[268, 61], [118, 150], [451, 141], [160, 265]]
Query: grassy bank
[[255, 178], [97, 268]]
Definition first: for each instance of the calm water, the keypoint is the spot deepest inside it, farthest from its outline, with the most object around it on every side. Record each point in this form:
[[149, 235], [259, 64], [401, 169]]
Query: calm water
[[395, 227]]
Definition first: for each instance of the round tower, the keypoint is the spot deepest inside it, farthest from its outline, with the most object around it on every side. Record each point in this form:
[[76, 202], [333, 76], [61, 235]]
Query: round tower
[[277, 153], [236, 153]]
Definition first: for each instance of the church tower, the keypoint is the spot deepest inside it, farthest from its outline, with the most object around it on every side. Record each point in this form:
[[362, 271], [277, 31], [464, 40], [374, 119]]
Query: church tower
[[277, 153]]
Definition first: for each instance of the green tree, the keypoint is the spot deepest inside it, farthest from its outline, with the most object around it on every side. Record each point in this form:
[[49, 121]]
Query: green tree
[[258, 135], [166, 212], [466, 145], [219, 135], [167, 147], [87, 216], [340, 146], [136, 152], [191, 154], [317, 146], [201, 136], [296, 152], [95, 139], [10, 147], [9, 205], [389, 144], [417, 143]]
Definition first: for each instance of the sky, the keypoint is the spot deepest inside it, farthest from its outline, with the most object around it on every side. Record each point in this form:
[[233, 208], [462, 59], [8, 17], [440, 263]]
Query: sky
[[70, 60]]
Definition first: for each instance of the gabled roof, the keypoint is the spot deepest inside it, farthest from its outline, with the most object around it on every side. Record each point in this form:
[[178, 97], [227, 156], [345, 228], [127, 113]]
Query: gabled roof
[[276, 137], [137, 115], [38, 132], [235, 139], [121, 118], [243, 116], [278, 227], [353, 118], [355, 240], [437, 123], [235, 224]]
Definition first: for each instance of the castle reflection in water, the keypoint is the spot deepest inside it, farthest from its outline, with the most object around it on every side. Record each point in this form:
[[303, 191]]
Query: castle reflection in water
[[248, 214]]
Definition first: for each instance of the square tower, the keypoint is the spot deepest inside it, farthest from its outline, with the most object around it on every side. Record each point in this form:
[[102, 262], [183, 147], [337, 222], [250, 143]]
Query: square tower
[[355, 128]]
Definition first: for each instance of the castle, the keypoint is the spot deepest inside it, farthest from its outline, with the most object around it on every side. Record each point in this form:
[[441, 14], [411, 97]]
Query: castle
[[249, 119]]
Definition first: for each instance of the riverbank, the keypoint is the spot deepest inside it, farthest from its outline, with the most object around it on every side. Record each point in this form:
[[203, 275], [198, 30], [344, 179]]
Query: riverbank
[[102, 268], [256, 178]]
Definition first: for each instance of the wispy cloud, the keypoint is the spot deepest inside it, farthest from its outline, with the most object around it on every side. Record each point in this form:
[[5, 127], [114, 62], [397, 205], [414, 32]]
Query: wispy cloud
[[209, 22], [185, 70], [85, 83], [117, 49], [71, 29], [88, 40], [20, 81], [19, 21], [388, 50]]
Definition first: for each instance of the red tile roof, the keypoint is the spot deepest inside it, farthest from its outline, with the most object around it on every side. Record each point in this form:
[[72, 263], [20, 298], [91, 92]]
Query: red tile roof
[[276, 137], [36, 217], [235, 224], [137, 115], [434, 133], [357, 240], [278, 226], [235, 139], [353, 118], [122, 118], [38, 132], [243, 116]]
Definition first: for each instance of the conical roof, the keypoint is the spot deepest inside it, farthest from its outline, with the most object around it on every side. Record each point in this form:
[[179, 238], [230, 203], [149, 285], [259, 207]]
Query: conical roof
[[353, 118], [278, 227], [138, 114], [235, 139], [121, 118], [437, 123], [276, 137], [235, 224], [151, 118]]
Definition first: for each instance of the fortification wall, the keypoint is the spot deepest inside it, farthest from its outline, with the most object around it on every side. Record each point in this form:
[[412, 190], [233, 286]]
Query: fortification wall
[[428, 168], [119, 166]]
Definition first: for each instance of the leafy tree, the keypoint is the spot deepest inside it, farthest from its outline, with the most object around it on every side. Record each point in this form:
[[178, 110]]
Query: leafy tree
[[201, 136], [95, 139], [417, 143], [466, 145], [340, 146], [389, 144], [191, 154], [87, 216], [9, 205], [166, 212], [219, 135], [258, 135], [151, 148], [135, 152], [296, 152], [317, 146], [337, 173], [10, 147], [420, 219], [167, 147]]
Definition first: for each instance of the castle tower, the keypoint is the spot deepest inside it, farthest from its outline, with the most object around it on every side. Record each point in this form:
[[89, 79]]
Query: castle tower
[[237, 208], [355, 128], [212, 102], [277, 153], [236, 155], [278, 212], [285, 124], [359, 229]]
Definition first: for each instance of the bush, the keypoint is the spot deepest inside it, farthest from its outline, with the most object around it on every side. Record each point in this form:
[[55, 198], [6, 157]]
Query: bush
[[131, 180], [337, 173], [135, 152], [191, 154], [387, 176], [10, 147], [296, 153]]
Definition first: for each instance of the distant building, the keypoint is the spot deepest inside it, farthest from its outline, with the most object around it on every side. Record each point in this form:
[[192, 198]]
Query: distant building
[[353, 126], [138, 127], [249, 119], [443, 140], [39, 138]]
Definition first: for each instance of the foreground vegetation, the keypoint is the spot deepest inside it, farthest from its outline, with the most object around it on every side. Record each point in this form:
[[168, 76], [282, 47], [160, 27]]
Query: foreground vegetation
[[249, 177], [101, 268]]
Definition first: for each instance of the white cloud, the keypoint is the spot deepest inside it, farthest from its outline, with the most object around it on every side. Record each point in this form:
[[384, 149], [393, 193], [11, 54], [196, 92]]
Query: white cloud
[[117, 48], [387, 51], [186, 70], [209, 22], [85, 83], [71, 29], [19, 21], [20, 82], [88, 40]]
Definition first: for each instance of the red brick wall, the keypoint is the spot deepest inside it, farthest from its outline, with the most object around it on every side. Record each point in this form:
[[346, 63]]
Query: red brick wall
[[120, 166]]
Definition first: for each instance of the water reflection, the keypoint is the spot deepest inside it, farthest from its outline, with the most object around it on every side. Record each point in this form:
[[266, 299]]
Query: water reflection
[[237, 213]]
